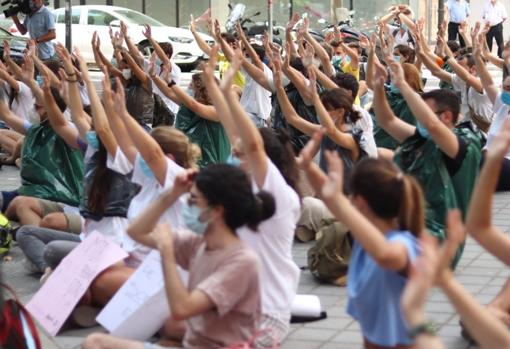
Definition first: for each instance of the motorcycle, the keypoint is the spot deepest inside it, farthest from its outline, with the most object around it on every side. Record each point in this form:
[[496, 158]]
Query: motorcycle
[[254, 31]]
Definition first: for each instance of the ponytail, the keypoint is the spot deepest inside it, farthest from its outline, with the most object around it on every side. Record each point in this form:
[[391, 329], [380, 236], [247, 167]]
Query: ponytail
[[264, 208], [411, 215]]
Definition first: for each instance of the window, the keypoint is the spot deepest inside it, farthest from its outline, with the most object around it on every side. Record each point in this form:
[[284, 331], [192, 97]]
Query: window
[[137, 18], [97, 17], [60, 16]]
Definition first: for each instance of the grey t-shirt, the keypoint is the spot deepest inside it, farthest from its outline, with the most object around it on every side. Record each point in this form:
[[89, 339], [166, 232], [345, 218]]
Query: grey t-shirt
[[39, 24]]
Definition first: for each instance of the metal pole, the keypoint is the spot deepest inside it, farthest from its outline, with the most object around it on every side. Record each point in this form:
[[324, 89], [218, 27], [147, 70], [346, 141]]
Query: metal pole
[[440, 12], [291, 9], [270, 19], [69, 44]]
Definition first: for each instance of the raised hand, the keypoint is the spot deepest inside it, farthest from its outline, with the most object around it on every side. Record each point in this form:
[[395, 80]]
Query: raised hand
[[7, 51], [500, 145], [397, 74], [307, 154], [217, 30], [308, 56], [124, 29], [474, 31], [334, 184], [152, 64], [380, 75], [147, 32], [292, 23], [240, 31]]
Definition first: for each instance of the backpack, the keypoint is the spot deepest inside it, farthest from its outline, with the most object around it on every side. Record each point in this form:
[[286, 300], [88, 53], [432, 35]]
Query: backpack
[[13, 330], [5, 235], [328, 258]]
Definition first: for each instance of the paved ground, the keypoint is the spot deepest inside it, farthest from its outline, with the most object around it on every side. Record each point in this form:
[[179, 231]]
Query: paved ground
[[478, 271]]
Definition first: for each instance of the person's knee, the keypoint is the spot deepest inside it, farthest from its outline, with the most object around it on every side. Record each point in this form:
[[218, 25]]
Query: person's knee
[[56, 221], [23, 234], [20, 203], [94, 341]]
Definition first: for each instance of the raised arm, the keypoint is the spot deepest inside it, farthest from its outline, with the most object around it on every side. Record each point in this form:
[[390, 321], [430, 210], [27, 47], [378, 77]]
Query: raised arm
[[396, 128], [288, 34], [462, 73], [159, 51], [148, 148], [249, 49], [253, 145], [217, 96], [488, 84], [57, 121], [198, 38], [345, 140], [434, 68], [101, 59], [117, 125], [80, 118], [389, 255], [11, 119], [288, 110], [133, 50], [444, 137], [203, 110], [479, 218], [319, 50]]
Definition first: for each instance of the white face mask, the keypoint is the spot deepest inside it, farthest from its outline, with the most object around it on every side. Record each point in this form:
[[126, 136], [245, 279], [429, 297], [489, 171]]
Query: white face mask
[[126, 73], [285, 80]]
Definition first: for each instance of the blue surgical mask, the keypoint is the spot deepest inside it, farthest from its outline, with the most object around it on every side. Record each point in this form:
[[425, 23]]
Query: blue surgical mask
[[92, 140], [396, 58], [145, 168], [158, 62], [190, 92], [422, 130], [191, 215], [505, 97], [39, 80], [233, 160]]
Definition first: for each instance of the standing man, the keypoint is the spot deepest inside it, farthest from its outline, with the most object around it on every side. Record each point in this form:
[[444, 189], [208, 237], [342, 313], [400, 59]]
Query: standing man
[[494, 14], [40, 25], [458, 12]]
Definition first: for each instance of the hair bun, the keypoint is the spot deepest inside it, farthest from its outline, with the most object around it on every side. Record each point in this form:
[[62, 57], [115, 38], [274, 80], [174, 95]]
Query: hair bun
[[264, 208]]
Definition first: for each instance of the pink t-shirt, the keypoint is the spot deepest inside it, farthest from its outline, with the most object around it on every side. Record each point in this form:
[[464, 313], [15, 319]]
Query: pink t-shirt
[[230, 278]]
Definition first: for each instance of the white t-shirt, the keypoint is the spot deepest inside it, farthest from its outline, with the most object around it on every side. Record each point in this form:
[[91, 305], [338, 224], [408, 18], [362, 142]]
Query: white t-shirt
[[273, 244], [175, 75], [24, 104], [256, 100], [501, 113], [494, 14], [150, 191], [366, 124], [111, 227], [479, 102], [400, 38]]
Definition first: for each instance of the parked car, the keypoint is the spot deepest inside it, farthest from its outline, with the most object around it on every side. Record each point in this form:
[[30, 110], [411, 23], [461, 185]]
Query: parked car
[[16, 43], [90, 18]]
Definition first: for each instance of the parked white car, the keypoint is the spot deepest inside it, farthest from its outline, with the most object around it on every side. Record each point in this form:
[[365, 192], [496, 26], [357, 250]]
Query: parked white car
[[90, 18]]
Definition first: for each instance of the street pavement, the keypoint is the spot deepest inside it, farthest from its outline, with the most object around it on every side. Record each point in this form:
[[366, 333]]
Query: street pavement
[[480, 273]]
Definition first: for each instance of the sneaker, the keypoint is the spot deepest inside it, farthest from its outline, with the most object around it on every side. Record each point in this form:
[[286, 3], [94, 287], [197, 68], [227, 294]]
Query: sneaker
[[45, 276], [85, 316]]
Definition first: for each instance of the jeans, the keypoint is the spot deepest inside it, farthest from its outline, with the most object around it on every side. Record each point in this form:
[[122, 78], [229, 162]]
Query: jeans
[[496, 32], [45, 247]]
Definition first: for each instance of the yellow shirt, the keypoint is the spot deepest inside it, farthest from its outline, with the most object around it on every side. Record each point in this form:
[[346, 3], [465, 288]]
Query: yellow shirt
[[347, 69], [224, 65]]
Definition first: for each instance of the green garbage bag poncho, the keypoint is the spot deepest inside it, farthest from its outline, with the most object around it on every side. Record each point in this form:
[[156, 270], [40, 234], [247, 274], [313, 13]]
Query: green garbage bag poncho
[[208, 135], [443, 84], [401, 110], [50, 169], [421, 157]]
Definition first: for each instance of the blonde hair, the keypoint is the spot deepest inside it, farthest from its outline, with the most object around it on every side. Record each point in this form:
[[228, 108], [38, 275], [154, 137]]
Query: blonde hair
[[413, 77], [172, 141]]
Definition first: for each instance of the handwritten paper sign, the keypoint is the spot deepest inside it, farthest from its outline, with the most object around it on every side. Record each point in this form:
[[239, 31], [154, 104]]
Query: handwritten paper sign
[[56, 299], [141, 297]]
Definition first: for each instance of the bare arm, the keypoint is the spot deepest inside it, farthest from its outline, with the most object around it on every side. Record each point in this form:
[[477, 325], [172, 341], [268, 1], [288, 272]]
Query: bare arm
[[253, 144], [159, 51], [441, 135], [14, 121], [203, 110], [479, 217], [199, 40], [320, 51], [396, 128], [218, 98], [133, 50], [488, 84], [137, 71]]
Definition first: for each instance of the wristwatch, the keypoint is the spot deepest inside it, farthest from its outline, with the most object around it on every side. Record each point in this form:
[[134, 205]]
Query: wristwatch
[[171, 83]]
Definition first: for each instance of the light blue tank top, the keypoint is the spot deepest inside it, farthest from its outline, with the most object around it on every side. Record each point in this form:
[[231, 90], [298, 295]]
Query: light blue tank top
[[374, 294]]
